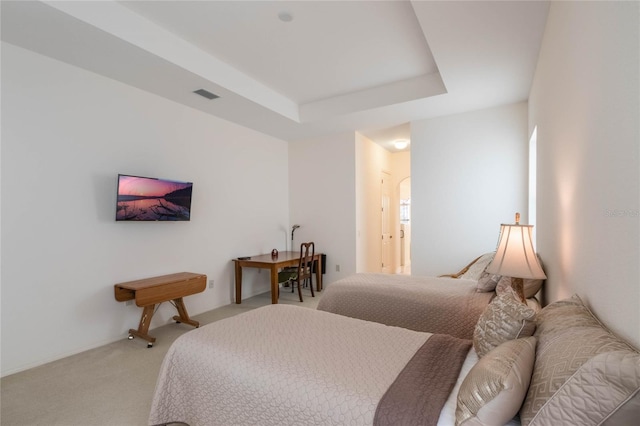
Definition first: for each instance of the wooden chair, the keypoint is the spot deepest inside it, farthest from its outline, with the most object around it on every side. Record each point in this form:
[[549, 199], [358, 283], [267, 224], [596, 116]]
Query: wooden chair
[[302, 272]]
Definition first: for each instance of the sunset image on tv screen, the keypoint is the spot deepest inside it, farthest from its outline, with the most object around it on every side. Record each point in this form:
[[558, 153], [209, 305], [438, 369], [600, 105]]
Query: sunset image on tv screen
[[152, 199]]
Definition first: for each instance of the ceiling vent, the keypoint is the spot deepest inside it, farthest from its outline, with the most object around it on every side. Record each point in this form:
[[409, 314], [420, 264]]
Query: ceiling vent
[[206, 94]]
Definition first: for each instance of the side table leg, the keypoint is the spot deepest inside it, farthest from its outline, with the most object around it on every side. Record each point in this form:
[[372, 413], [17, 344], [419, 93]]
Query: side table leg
[[238, 283], [319, 274], [274, 284], [183, 315], [143, 327]]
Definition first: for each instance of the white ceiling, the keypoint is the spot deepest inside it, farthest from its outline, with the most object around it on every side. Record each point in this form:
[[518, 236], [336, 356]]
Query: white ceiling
[[336, 66]]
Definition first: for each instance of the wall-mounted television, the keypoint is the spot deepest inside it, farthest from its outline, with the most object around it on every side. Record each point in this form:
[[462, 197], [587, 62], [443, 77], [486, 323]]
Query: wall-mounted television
[[152, 199]]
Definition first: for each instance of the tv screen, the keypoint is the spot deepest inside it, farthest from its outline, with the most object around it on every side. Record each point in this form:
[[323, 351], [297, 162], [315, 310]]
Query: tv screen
[[152, 199]]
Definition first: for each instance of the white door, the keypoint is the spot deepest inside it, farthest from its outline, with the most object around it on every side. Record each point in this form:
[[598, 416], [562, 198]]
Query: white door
[[402, 245], [405, 225], [386, 223]]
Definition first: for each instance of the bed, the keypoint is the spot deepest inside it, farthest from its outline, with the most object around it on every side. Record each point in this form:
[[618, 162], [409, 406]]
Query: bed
[[448, 304], [288, 365], [430, 304]]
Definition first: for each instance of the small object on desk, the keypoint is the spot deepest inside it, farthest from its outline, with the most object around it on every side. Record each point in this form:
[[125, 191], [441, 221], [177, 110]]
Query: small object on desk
[[244, 258], [274, 253], [151, 291]]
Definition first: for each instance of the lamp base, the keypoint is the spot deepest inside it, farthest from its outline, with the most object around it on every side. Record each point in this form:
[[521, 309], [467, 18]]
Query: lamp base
[[517, 284]]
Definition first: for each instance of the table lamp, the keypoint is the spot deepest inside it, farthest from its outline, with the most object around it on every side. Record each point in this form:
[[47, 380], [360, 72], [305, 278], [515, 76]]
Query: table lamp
[[515, 256]]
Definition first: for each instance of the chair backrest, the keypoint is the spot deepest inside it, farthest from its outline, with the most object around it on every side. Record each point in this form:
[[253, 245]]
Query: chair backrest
[[305, 266]]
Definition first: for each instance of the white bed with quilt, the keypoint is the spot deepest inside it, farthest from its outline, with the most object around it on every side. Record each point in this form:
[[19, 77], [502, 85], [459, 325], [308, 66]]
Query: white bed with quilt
[[449, 305], [288, 365], [430, 304]]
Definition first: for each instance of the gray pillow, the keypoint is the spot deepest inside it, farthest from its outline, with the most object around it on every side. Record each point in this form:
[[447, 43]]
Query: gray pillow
[[605, 388], [575, 350], [505, 318]]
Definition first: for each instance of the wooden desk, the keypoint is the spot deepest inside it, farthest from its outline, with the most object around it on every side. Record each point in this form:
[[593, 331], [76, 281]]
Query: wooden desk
[[151, 291], [266, 261]]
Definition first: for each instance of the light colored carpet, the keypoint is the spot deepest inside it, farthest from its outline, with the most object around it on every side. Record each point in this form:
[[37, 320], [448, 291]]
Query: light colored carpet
[[111, 385]]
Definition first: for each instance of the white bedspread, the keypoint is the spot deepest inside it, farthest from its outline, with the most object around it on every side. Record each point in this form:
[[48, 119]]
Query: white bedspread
[[324, 370], [429, 304], [281, 365]]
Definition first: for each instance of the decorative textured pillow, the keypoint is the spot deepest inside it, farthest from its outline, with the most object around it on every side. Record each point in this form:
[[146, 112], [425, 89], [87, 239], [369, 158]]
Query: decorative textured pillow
[[531, 287], [478, 267], [505, 318], [606, 387], [565, 314], [494, 389], [569, 336], [512, 291]]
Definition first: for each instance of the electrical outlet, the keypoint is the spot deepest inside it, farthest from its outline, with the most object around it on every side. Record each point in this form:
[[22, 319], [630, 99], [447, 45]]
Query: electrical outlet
[[210, 283], [128, 303], [337, 268]]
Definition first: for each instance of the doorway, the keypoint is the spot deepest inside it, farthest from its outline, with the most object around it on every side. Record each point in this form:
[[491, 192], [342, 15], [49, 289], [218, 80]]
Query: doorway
[[405, 226], [386, 223]]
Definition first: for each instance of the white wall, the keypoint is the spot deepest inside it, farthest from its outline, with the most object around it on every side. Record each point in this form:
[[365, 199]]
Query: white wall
[[322, 194], [585, 104], [468, 175], [66, 134], [371, 161]]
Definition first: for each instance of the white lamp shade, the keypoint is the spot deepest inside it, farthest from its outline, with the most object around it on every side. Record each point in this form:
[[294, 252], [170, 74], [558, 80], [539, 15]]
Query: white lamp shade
[[515, 256]]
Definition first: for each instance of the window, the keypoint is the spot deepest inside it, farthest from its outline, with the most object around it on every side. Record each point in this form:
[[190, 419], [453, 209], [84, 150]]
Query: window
[[405, 210], [533, 142]]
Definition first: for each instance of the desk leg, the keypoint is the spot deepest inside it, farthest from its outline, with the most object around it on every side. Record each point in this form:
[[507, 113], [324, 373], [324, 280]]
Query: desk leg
[[238, 283], [183, 315], [319, 274], [274, 284], [143, 327]]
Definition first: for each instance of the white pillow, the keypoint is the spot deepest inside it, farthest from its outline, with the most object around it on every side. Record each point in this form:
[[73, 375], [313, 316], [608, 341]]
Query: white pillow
[[488, 282], [477, 268], [493, 391]]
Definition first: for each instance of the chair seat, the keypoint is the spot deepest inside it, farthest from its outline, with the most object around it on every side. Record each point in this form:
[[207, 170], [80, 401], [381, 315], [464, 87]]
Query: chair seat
[[286, 275]]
